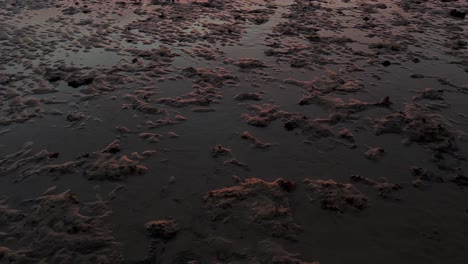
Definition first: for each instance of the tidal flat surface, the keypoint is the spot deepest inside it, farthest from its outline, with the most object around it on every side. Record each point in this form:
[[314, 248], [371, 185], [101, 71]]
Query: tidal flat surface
[[241, 131]]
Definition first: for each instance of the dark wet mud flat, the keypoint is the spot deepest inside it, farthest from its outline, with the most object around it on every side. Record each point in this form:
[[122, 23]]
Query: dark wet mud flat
[[233, 132]]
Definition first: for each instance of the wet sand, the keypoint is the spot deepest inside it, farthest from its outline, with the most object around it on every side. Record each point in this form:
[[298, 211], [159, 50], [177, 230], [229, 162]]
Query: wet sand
[[260, 131]]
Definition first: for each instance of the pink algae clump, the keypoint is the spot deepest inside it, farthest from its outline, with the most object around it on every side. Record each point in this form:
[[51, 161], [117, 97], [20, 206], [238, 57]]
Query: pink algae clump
[[418, 125], [248, 97], [267, 113], [205, 91], [219, 150], [112, 168], [164, 229], [248, 63], [264, 115], [58, 229], [337, 196], [385, 189], [374, 153], [101, 165], [256, 143], [255, 202]]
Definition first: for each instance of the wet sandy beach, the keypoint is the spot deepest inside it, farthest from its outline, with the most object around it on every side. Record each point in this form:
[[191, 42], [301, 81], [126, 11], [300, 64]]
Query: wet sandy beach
[[243, 131]]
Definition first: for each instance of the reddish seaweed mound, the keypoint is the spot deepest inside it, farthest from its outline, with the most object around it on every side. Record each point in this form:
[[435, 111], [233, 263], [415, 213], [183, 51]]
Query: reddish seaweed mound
[[256, 143], [58, 230], [165, 229], [418, 125], [385, 189], [255, 202], [205, 91], [267, 113], [337, 196], [102, 165]]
